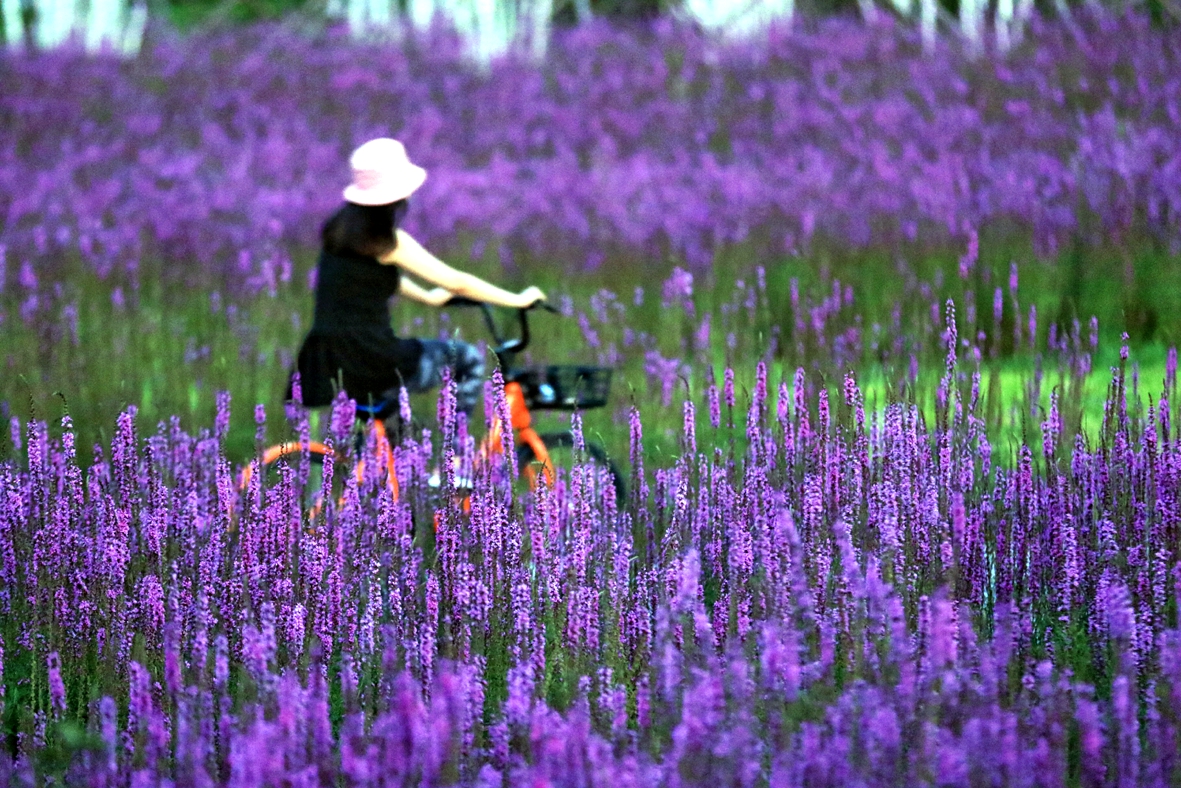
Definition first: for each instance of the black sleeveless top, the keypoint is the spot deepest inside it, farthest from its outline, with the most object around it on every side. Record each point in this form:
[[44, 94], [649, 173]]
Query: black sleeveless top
[[351, 343]]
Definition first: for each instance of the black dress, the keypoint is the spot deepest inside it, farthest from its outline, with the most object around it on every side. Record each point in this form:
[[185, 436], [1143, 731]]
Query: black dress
[[351, 343]]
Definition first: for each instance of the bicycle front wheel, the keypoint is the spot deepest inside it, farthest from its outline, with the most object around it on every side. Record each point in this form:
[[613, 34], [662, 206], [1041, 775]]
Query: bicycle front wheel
[[290, 455], [600, 471]]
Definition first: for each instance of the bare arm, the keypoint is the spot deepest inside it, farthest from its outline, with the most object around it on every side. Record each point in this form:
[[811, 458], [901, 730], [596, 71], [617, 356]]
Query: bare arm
[[436, 296], [412, 258]]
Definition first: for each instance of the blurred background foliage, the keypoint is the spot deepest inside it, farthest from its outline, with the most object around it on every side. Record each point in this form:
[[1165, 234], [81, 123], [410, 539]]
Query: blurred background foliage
[[187, 14], [190, 14]]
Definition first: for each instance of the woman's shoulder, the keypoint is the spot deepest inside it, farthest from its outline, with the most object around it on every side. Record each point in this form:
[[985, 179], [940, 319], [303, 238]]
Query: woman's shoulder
[[406, 249]]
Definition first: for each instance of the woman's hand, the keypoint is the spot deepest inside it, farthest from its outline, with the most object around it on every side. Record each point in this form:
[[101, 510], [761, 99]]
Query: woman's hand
[[530, 296], [436, 296]]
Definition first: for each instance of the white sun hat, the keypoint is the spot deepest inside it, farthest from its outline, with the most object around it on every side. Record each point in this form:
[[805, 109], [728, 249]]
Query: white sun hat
[[382, 173]]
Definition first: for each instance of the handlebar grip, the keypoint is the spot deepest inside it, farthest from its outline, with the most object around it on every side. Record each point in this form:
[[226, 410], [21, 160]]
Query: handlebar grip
[[546, 305]]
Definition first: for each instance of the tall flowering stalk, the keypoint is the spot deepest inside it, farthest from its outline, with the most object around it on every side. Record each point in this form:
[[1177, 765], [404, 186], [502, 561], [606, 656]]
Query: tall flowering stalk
[[837, 592]]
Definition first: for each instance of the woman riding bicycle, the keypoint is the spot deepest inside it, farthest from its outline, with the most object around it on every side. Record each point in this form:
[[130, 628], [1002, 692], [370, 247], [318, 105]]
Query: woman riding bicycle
[[365, 260]]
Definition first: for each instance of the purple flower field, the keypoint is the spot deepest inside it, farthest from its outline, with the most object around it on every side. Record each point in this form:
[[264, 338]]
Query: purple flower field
[[864, 561], [215, 153], [852, 599]]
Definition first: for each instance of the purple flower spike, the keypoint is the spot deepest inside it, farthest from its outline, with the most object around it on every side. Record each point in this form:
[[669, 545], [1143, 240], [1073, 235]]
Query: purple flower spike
[[689, 430], [57, 688]]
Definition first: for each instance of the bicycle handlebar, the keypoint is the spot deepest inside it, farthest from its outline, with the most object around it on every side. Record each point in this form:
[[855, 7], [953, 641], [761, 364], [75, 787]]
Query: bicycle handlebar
[[504, 347], [462, 301], [465, 301]]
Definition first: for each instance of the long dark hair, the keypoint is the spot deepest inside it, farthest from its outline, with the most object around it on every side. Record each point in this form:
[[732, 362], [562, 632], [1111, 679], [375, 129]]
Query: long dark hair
[[363, 229]]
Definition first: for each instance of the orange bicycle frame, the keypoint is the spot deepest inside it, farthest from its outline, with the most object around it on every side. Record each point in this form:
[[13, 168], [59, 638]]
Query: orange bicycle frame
[[522, 425]]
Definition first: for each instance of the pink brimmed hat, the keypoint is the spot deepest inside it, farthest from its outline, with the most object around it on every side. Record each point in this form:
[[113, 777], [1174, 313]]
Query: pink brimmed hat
[[382, 173]]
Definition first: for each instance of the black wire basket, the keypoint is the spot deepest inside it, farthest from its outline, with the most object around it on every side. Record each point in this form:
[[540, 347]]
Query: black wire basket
[[565, 387]]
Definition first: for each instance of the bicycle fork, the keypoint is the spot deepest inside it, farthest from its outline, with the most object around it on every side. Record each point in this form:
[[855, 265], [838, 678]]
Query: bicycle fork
[[522, 426]]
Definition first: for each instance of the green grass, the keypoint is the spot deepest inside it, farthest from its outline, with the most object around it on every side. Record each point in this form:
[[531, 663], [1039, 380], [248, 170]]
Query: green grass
[[190, 14], [168, 348]]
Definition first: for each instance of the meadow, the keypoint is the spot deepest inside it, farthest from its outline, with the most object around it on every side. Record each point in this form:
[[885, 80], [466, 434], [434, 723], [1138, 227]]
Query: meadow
[[895, 367]]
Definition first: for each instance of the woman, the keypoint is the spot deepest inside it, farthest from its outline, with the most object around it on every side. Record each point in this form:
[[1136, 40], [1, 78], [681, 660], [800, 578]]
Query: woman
[[366, 259]]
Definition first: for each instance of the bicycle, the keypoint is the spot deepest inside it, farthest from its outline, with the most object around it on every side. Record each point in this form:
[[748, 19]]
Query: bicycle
[[526, 389]]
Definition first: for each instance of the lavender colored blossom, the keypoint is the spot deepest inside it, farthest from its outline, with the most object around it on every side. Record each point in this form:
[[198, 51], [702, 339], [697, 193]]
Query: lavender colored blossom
[[57, 689], [969, 258], [677, 291], [850, 593], [715, 407]]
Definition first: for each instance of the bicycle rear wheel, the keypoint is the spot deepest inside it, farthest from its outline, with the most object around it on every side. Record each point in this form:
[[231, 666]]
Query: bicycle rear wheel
[[564, 459]]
